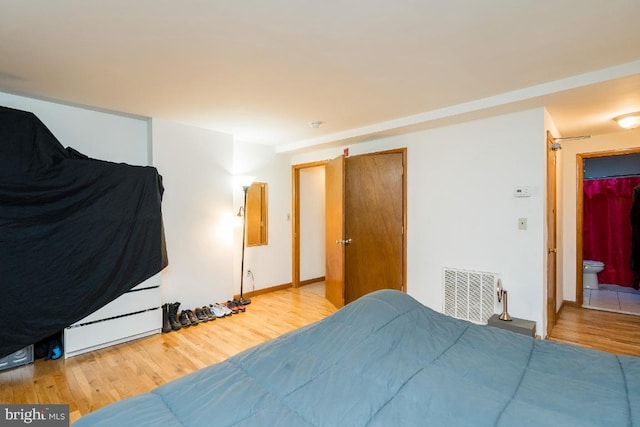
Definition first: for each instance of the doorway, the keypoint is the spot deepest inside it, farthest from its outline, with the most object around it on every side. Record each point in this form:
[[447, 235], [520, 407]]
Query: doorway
[[299, 187], [600, 196]]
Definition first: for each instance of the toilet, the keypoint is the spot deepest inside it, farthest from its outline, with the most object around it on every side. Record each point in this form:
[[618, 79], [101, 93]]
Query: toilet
[[590, 270]]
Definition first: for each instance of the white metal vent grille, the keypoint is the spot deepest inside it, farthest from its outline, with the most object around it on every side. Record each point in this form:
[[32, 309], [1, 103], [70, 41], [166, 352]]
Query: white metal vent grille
[[469, 295]]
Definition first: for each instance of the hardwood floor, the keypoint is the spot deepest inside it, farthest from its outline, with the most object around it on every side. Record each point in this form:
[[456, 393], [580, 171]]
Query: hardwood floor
[[612, 332], [90, 381]]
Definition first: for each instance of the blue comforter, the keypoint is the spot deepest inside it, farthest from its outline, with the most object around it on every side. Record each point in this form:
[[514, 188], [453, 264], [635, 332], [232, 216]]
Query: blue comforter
[[387, 360]]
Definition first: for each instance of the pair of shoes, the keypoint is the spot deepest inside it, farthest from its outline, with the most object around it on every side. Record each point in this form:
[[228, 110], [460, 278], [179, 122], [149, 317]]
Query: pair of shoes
[[184, 319], [188, 318], [192, 317], [232, 306], [207, 312], [170, 317], [200, 315], [226, 310], [219, 311], [236, 307], [238, 303]]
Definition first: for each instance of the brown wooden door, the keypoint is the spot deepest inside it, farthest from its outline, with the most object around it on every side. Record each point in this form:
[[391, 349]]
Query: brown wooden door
[[334, 232], [552, 252], [374, 221]]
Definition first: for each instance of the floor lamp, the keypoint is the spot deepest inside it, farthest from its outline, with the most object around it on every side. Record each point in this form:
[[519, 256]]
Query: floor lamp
[[245, 188]]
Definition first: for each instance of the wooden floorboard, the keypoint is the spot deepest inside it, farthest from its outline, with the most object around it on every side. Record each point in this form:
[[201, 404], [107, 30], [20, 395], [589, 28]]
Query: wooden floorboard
[[89, 381], [601, 330]]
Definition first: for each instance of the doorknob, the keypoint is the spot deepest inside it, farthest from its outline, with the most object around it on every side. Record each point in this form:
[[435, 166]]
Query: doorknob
[[343, 242]]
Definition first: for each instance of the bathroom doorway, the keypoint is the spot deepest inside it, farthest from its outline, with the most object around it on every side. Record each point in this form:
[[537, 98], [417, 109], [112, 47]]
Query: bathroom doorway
[[604, 279]]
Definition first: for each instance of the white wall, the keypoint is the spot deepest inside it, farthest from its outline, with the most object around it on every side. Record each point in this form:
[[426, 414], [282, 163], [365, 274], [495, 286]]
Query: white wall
[[461, 209], [199, 203], [100, 135], [198, 212], [312, 223], [271, 263], [570, 149]]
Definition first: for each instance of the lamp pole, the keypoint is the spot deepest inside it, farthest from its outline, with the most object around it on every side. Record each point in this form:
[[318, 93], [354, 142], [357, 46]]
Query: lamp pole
[[242, 300]]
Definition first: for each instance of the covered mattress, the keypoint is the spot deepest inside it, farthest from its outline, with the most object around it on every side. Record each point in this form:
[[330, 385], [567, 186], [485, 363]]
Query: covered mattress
[[387, 360]]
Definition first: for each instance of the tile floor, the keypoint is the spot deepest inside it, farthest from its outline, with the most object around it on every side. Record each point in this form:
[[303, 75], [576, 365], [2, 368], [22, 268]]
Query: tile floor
[[614, 298]]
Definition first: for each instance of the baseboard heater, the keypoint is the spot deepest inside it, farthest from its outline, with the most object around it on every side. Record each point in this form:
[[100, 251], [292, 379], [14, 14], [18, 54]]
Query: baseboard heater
[[135, 314]]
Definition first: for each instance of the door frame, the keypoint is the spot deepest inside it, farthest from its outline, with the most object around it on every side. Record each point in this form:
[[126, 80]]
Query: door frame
[[552, 232], [295, 218], [580, 206]]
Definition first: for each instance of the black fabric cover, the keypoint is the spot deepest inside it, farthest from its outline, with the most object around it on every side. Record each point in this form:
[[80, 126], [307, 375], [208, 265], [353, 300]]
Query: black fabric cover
[[75, 232]]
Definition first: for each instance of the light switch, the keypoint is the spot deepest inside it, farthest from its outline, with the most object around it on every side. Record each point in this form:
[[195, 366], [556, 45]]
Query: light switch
[[522, 223]]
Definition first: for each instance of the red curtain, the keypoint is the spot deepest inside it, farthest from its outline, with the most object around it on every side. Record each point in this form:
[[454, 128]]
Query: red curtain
[[607, 227]]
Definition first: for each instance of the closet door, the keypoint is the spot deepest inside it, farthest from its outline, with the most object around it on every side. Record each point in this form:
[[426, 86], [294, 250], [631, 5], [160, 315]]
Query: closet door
[[374, 223], [365, 222], [334, 231]]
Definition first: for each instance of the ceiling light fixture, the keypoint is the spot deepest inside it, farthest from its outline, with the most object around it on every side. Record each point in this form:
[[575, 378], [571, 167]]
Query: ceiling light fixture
[[628, 121], [315, 124]]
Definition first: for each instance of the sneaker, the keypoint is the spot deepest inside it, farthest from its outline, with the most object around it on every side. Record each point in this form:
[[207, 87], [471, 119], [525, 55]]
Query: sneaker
[[227, 311], [217, 310]]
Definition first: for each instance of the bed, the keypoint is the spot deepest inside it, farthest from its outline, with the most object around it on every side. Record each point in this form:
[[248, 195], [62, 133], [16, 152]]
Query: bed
[[387, 360]]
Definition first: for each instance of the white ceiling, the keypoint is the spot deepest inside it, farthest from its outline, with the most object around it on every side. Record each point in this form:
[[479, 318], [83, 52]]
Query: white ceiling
[[263, 69]]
